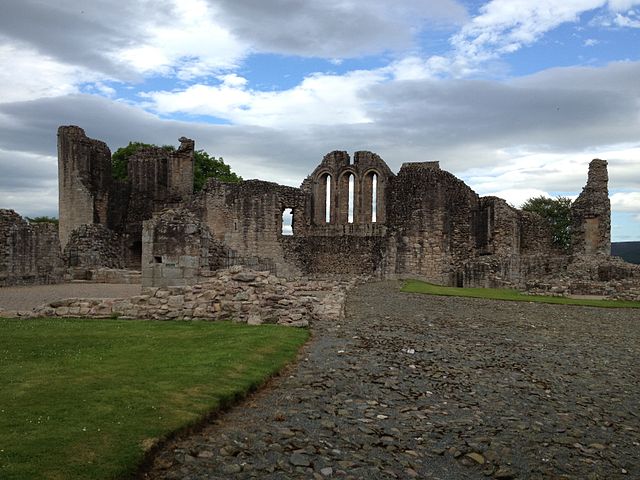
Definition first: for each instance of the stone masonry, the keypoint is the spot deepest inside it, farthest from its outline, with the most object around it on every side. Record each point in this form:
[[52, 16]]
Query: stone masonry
[[351, 216], [29, 252]]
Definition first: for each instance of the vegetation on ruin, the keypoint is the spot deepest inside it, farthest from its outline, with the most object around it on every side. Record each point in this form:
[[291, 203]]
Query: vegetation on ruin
[[42, 219], [205, 166], [83, 399], [417, 286], [557, 212]]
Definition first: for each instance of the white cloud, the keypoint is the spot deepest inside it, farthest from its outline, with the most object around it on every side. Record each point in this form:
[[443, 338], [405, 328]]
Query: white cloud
[[320, 99], [517, 196], [193, 45], [27, 75], [591, 42], [626, 202], [505, 26]]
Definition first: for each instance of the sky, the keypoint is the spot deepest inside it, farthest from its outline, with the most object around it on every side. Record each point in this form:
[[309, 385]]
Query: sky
[[515, 97]]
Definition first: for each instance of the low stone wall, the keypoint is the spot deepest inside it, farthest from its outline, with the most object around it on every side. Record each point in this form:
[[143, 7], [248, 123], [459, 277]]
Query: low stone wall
[[235, 294], [601, 275]]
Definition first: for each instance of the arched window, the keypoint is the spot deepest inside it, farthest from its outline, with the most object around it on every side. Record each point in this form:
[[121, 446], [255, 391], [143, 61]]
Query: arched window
[[351, 207], [374, 198], [327, 205]]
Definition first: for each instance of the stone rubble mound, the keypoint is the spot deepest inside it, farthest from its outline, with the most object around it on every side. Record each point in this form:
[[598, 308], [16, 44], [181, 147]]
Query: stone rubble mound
[[236, 293]]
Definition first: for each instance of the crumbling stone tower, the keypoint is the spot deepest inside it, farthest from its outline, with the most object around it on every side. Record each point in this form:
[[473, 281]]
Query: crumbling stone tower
[[84, 180], [591, 214], [88, 195]]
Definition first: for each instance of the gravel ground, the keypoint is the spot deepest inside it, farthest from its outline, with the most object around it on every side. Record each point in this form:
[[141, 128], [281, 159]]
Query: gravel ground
[[26, 298], [415, 386]]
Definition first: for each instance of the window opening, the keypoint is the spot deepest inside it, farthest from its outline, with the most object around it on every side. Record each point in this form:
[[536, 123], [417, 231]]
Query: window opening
[[352, 180], [374, 198], [287, 222], [327, 208]]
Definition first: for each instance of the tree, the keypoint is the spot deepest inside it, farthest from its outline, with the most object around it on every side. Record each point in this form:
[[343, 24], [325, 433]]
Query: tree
[[120, 157], [557, 212], [205, 166]]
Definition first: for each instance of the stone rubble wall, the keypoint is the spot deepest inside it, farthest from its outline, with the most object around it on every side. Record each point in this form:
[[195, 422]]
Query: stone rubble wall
[[600, 275], [29, 252], [236, 294], [92, 246]]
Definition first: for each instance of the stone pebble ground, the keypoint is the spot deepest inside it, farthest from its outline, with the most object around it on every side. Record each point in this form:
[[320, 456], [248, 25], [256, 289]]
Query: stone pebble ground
[[415, 386]]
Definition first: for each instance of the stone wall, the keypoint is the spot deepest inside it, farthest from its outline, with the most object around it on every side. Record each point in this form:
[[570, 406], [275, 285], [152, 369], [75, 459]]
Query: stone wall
[[432, 216], [247, 218], [175, 249], [156, 179], [349, 218], [84, 180], [91, 246], [29, 252], [236, 294], [591, 214]]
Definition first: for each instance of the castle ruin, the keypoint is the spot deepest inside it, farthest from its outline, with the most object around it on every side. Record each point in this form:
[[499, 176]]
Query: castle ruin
[[350, 217]]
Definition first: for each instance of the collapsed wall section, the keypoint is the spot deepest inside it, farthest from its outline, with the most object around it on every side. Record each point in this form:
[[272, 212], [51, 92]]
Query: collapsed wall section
[[29, 252]]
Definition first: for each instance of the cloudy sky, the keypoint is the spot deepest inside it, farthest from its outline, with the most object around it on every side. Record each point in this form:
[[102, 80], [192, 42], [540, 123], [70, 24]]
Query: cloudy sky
[[513, 96]]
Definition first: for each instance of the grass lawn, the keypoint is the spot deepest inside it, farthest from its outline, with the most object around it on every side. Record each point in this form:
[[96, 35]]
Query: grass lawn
[[79, 399], [417, 286]]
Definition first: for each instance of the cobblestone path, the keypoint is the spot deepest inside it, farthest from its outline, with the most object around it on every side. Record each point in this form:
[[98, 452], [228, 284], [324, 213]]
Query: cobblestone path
[[412, 386]]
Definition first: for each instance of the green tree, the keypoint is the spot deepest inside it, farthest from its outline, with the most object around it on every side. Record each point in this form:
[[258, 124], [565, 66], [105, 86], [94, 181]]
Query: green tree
[[205, 166], [557, 212]]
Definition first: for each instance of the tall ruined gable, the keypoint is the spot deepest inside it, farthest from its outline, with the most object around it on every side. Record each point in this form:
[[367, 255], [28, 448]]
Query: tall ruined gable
[[591, 214]]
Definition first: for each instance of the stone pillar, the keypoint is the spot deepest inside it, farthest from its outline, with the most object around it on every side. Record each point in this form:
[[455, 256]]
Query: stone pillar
[[591, 214]]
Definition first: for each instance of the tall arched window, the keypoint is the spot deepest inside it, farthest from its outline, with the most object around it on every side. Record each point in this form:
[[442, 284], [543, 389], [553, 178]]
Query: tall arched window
[[352, 182], [327, 205], [374, 198]]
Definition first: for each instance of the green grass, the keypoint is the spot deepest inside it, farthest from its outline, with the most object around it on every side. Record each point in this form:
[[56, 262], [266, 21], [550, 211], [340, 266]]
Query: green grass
[[417, 286], [79, 399]]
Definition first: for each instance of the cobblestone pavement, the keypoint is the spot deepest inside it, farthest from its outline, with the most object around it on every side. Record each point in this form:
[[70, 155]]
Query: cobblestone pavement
[[26, 298], [412, 386]]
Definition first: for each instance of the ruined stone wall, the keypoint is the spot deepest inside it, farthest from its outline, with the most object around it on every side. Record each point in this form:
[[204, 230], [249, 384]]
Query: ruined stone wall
[[431, 218], [156, 179], [92, 246], [499, 230], [591, 214], [247, 218], [84, 180], [175, 249], [341, 213], [29, 252]]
